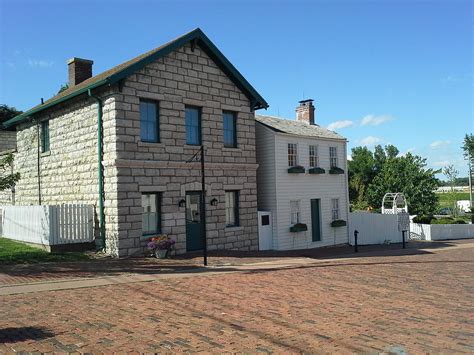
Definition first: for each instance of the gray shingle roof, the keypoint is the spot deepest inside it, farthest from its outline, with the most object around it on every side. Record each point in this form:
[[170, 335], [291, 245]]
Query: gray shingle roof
[[295, 127]]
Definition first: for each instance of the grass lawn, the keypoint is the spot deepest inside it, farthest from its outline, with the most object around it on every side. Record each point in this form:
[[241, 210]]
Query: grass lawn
[[447, 199], [12, 252]]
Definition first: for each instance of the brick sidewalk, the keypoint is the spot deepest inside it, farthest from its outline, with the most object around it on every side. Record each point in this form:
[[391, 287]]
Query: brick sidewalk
[[418, 303], [44, 272]]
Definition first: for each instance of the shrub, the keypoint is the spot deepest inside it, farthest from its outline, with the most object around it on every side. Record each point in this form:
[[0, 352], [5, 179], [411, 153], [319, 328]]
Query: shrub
[[423, 219]]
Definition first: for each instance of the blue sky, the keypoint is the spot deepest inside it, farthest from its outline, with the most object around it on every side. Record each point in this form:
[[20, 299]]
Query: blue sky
[[398, 72]]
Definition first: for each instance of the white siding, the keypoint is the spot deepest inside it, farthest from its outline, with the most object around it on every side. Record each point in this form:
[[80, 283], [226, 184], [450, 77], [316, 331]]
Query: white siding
[[266, 179], [276, 187], [305, 187]]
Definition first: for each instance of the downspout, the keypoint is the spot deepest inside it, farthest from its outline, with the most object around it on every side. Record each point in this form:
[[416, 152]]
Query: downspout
[[100, 157]]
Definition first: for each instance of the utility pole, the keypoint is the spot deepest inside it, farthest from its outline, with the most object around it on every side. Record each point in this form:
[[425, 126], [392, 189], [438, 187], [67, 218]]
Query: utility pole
[[203, 207]]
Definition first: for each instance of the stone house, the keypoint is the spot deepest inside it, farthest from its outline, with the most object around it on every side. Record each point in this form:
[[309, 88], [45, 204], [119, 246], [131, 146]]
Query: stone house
[[124, 140], [302, 181]]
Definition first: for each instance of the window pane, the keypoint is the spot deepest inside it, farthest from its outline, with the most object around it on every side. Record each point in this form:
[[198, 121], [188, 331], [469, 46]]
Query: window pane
[[231, 210], [229, 129], [192, 126], [150, 215], [148, 121]]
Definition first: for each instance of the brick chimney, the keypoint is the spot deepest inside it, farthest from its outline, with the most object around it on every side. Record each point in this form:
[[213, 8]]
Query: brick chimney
[[305, 111], [79, 70]]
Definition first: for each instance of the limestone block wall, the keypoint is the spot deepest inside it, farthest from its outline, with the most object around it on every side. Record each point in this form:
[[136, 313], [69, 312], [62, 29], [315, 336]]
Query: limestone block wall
[[68, 172], [185, 77], [7, 141]]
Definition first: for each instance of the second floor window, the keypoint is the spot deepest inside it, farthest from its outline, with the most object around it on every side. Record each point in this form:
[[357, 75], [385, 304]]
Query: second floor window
[[193, 125], [230, 132], [333, 157], [295, 212], [45, 136], [335, 209], [149, 121], [292, 154], [313, 156]]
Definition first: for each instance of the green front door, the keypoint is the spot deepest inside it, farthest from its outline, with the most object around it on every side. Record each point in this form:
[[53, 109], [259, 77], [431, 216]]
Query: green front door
[[194, 240], [316, 219]]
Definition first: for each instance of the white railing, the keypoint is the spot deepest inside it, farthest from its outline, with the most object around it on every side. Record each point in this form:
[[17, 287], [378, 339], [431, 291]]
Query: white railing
[[48, 225], [441, 231]]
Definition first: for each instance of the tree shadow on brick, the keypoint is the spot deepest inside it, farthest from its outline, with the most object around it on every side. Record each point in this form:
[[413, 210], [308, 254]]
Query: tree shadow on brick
[[18, 334]]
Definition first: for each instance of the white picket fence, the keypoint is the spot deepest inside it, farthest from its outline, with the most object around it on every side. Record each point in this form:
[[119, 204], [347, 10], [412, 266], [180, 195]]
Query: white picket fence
[[441, 231], [374, 228], [48, 224]]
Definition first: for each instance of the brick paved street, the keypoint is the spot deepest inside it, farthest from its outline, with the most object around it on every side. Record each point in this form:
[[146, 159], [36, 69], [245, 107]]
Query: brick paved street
[[417, 303]]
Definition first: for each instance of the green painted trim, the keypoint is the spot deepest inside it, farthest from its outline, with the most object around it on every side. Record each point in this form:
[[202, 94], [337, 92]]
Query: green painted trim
[[26, 115], [296, 170], [335, 170], [316, 170], [202, 40], [298, 227], [338, 223]]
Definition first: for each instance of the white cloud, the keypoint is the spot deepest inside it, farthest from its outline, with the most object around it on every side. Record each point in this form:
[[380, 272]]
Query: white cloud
[[439, 144], [340, 124], [35, 63], [375, 120], [370, 140], [442, 163]]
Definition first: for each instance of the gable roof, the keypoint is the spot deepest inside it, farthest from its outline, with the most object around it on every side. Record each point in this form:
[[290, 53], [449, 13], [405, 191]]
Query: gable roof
[[125, 69], [283, 125]]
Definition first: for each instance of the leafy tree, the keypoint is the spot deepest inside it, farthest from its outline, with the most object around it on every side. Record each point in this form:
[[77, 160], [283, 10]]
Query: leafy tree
[[406, 174], [7, 112], [361, 173], [7, 178], [451, 175]]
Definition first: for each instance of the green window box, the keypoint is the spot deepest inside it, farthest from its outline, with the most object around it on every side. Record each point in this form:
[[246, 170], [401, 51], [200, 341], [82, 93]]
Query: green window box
[[298, 227], [335, 170], [316, 170], [338, 223], [296, 170]]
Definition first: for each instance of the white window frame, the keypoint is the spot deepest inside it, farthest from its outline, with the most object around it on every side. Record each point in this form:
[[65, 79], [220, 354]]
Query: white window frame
[[231, 208], [292, 154], [313, 156], [333, 157], [295, 212], [335, 209]]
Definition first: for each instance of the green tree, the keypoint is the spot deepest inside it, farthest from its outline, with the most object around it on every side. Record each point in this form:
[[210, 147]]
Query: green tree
[[361, 174], [7, 112], [406, 174], [451, 175], [7, 177]]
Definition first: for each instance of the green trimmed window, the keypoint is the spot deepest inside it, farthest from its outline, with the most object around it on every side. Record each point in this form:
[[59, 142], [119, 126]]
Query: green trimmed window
[[231, 208], [230, 129], [45, 136], [313, 156], [295, 213], [292, 154], [193, 125], [333, 157], [151, 215], [335, 209], [149, 121]]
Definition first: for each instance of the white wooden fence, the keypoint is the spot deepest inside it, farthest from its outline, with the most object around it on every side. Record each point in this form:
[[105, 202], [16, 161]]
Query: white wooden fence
[[48, 225], [374, 228], [441, 231]]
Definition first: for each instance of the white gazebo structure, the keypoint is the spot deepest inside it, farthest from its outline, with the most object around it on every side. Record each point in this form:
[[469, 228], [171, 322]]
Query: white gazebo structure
[[394, 203]]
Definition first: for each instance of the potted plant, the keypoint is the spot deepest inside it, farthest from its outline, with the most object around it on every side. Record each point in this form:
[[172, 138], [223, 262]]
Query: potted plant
[[297, 169], [160, 246], [316, 170], [298, 227], [338, 223], [336, 170]]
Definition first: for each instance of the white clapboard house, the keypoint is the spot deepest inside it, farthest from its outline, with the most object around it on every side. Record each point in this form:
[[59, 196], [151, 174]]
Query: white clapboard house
[[302, 182]]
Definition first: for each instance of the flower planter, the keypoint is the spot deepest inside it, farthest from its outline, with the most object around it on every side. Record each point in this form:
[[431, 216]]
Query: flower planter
[[336, 171], [316, 170], [296, 170], [299, 227], [338, 223], [161, 253]]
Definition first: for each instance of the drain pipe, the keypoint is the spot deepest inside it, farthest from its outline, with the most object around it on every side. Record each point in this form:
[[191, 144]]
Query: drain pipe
[[100, 157]]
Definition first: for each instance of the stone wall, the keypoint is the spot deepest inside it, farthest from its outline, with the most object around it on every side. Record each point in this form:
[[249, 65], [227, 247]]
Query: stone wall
[[68, 172], [7, 141], [185, 78]]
